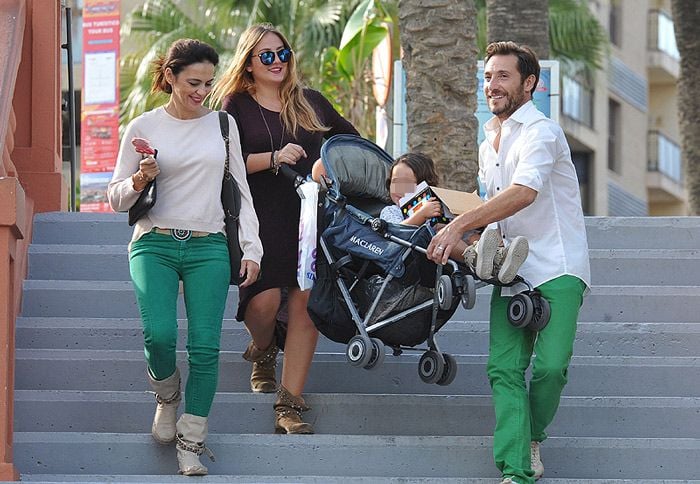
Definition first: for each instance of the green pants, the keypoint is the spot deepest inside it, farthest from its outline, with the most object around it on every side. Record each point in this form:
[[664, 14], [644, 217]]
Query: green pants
[[522, 415], [157, 263]]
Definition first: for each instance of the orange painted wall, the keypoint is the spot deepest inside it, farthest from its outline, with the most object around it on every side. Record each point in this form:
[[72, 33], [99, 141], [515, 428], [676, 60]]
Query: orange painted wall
[[30, 178], [37, 101]]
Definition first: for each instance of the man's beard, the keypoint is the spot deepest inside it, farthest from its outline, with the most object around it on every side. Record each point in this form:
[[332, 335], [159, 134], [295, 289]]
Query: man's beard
[[513, 103]]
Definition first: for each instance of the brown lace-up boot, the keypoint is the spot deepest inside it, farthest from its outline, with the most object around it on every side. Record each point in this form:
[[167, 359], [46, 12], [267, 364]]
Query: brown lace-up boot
[[262, 378], [288, 409]]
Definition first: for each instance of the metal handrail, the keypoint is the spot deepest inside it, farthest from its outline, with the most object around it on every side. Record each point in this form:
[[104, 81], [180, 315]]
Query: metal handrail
[[68, 46]]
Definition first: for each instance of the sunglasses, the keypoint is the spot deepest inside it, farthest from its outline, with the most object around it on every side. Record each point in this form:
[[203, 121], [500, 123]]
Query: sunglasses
[[268, 57]]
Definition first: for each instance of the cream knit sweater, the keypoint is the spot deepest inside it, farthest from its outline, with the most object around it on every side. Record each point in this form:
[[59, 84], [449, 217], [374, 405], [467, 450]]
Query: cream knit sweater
[[191, 157]]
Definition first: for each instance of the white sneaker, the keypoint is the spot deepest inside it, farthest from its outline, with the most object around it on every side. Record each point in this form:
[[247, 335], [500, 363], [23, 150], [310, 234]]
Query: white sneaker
[[535, 461], [508, 260], [486, 248], [508, 480]]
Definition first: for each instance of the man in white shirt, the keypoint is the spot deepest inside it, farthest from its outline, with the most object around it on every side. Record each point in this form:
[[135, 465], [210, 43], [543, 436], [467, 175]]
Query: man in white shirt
[[532, 191]]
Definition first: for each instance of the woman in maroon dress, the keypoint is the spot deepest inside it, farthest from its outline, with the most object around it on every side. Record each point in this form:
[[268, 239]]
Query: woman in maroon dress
[[280, 122]]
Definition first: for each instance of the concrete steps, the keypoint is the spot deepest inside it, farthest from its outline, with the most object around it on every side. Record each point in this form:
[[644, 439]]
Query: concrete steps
[[115, 299], [631, 412], [99, 479], [352, 455], [611, 266], [466, 337], [360, 414], [589, 375]]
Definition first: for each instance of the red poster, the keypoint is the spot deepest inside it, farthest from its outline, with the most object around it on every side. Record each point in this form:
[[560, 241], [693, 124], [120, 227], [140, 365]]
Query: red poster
[[100, 102]]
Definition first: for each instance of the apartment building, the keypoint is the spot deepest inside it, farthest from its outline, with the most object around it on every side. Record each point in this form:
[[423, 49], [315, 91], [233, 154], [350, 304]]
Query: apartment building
[[622, 124]]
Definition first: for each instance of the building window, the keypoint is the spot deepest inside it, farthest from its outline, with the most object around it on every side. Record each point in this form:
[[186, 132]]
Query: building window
[[614, 134], [615, 23], [582, 163], [662, 36], [577, 102], [665, 157]]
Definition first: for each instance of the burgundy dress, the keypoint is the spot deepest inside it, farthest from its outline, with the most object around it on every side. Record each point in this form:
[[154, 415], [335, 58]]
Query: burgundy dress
[[276, 202]]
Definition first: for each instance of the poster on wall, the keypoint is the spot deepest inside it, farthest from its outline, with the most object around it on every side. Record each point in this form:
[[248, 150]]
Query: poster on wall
[[100, 102]]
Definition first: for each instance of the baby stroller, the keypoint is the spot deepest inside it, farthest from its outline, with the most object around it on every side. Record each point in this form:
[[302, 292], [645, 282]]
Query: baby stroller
[[374, 285]]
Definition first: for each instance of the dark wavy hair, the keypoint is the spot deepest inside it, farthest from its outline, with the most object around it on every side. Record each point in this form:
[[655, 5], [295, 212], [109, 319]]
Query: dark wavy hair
[[528, 64], [182, 53], [422, 166]]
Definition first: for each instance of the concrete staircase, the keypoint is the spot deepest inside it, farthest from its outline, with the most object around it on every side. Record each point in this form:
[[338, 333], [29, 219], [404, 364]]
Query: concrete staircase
[[631, 412]]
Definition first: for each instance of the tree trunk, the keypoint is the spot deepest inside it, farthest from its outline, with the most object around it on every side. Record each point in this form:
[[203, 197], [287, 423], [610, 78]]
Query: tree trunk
[[523, 22], [686, 18], [438, 40]]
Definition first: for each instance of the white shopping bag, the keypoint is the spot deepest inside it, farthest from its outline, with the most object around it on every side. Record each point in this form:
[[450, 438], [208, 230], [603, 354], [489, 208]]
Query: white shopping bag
[[306, 265]]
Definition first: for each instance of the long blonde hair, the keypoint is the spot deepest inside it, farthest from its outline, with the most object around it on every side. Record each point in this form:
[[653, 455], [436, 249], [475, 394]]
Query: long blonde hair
[[296, 110]]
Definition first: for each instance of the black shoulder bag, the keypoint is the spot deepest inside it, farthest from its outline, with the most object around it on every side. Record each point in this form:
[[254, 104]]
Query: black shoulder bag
[[231, 201], [145, 202]]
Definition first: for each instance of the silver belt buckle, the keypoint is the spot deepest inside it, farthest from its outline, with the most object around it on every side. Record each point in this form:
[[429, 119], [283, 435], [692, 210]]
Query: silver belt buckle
[[181, 234]]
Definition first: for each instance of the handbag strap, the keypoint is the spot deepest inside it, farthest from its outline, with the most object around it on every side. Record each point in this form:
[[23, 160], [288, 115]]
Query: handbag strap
[[223, 124]]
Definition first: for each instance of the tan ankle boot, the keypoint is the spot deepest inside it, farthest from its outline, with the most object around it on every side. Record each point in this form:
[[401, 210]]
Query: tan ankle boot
[[168, 397], [191, 433], [262, 378], [288, 409]]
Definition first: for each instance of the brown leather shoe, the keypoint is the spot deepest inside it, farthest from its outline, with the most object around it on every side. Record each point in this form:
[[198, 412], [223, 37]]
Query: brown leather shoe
[[288, 409], [262, 378]]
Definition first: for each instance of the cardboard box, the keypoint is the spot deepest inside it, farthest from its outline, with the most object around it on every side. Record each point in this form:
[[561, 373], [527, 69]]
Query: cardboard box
[[458, 202]]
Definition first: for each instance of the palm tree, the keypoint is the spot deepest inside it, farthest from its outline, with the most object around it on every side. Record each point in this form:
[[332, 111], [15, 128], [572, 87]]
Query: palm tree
[[526, 24], [310, 25], [573, 34], [438, 40], [686, 18]]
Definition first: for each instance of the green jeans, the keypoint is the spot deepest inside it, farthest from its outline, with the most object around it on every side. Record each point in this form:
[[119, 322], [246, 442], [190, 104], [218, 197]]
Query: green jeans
[[521, 415], [157, 263]]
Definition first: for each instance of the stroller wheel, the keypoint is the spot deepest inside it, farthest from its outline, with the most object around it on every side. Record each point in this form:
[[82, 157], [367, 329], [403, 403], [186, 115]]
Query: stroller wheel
[[359, 350], [444, 292], [377, 354], [430, 366], [450, 371], [520, 310], [541, 312], [469, 294]]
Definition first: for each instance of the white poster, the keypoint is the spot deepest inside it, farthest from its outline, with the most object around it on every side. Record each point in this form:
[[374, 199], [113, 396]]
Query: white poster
[[100, 77]]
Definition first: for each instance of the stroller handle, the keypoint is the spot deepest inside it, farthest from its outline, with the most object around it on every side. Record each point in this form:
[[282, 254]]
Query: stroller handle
[[381, 227], [292, 176]]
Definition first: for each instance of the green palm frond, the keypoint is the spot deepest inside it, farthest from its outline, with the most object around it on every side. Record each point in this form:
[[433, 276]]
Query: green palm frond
[[312, 26], [576, 36]]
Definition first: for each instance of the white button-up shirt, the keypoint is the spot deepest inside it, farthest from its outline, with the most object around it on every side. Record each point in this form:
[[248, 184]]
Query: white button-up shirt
[[533, 152]]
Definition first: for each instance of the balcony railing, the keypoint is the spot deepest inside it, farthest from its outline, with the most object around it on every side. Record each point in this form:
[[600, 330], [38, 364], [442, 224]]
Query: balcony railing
[[661, 34], [577, 101], [665, 157]]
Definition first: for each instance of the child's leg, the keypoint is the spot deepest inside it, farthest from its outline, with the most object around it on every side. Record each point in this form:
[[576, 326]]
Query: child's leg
[[509, 259], [479, 257]]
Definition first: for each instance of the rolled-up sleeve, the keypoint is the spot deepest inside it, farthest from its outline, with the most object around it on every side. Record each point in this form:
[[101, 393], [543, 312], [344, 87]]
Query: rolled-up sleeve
[[120, 191], [536, 158], [248, 226]]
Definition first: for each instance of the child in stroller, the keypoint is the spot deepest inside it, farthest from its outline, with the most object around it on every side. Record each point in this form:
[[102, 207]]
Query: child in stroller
[[482, 252], [374, 285]]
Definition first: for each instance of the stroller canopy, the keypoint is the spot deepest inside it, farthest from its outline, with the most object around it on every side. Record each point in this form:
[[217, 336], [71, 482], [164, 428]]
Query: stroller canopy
[[357, 167]]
